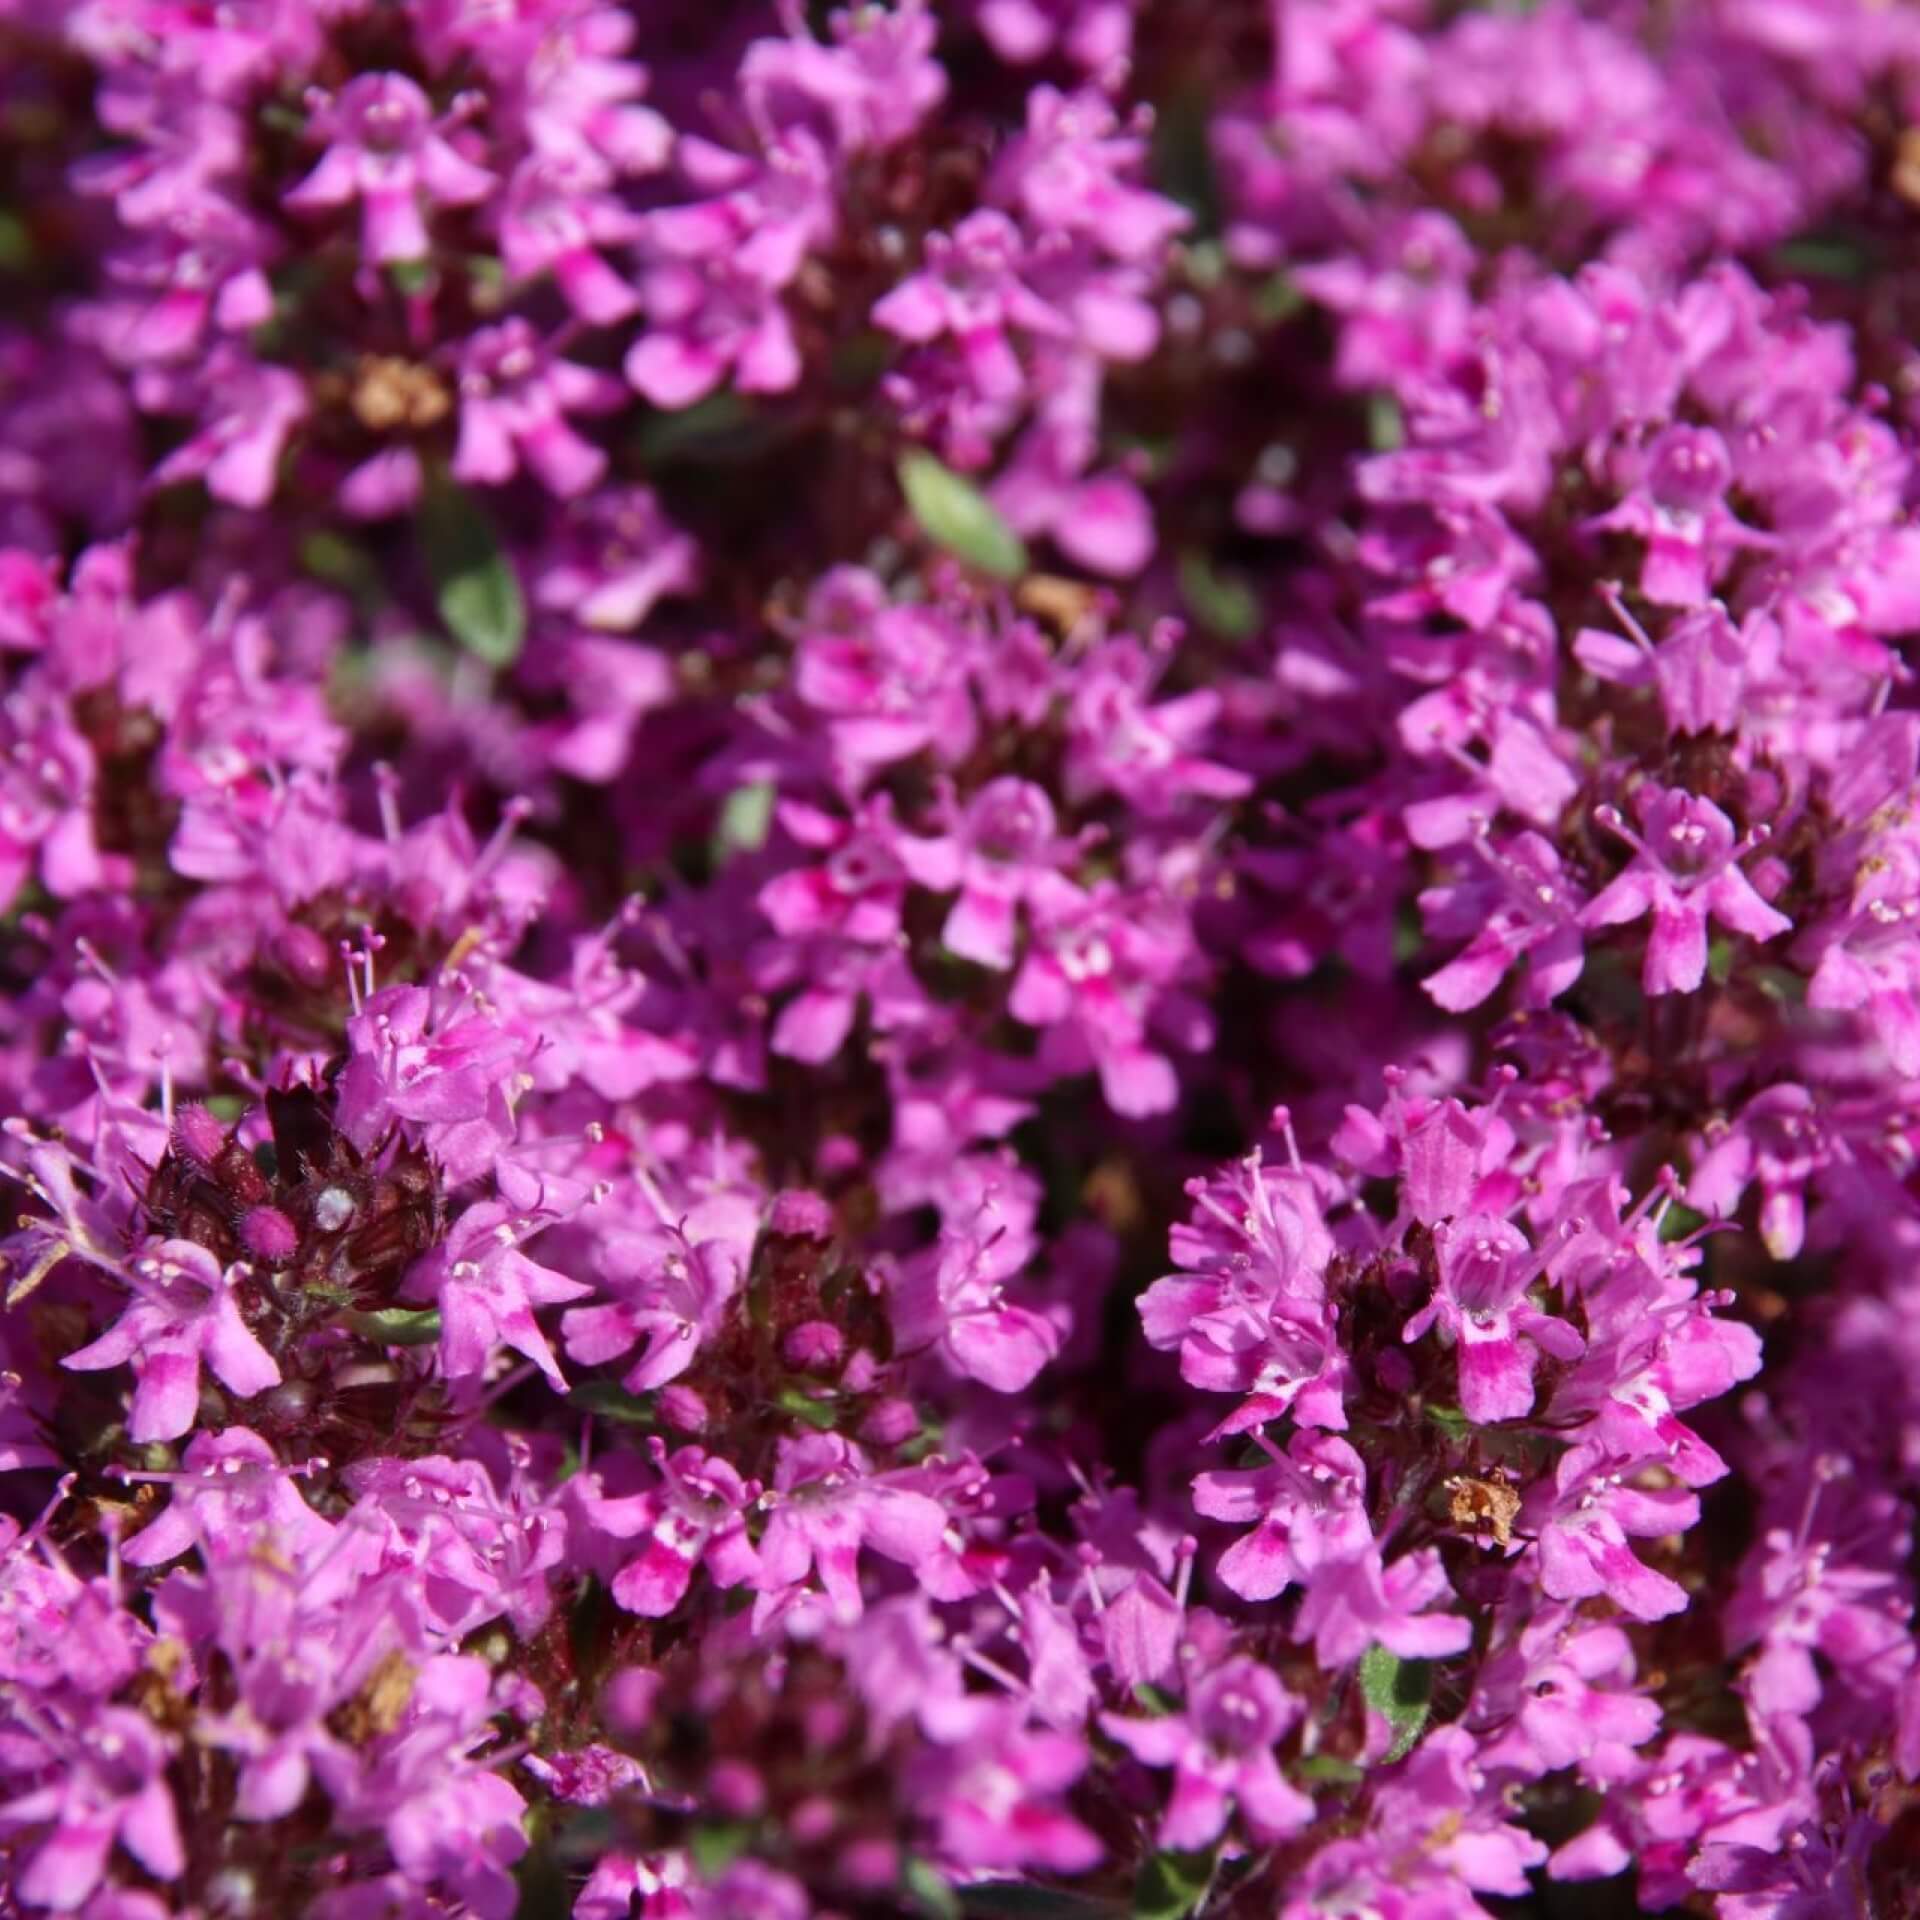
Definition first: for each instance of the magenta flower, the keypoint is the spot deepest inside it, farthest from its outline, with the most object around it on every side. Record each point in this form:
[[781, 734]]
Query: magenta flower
[[993, 1786], [1221, 1752], [557, 219], [515, 395], [1482, 1308], [954, 1296], [705, 326], [1583, 1520], [184, 1313], [1685, 871], [696, 1517], [971, 290], [671, 1294], [826, 1504], [487, 1290], [110, 1786], [386, 150]]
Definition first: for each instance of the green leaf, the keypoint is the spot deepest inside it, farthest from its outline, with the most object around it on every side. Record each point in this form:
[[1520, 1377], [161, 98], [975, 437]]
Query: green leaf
[[717, 1844], [1277, 300], [746, 815], [1170, 1885], [1678, 1221], [1217, 600], [1328, 1769], [1157, 1700], [477, 589], [16, 244], [1400, 1689], [1386, 425], [397, 1326], [612, 1402], [929, 1892], [814, 1412], [955, 514]]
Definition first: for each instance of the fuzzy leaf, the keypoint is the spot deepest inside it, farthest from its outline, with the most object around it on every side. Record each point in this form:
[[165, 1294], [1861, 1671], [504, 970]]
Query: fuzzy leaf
[[1400, 1689], [929, 1892], [1171, 1885], [955, 514], [477, 590], [397, 1326], [612, 1402]]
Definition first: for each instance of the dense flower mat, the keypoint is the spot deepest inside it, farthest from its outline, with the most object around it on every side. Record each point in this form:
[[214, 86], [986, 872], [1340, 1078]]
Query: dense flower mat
[[959, 960]]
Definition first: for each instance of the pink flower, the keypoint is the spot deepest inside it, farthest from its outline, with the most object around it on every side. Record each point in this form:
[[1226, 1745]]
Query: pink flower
[[386, 151], [487, 1291], [1221, 1751], [993, 1784], [827, 1504], [954, 1295], [1481, 1306], [557, 219], [184, 1313], [697, 1516], [515, 394], [671, 1292], [1684, 871], [110, 1785]]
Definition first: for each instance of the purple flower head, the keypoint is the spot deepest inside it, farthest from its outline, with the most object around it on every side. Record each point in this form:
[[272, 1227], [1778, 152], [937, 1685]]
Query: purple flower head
[[487, 1290], [1003, 849], [557, 219], [671, 1291], [185, 1311], [954, 1295], [386, 150], [1481, 1305], [1221, 1752], [109, 1786], [1684, 872], [515, 395], [825, 1505], [1521, 905], [1248, 1313], [697, 1516]]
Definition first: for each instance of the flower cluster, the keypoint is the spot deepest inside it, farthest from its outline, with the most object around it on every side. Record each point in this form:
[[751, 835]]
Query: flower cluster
[[959, 959]]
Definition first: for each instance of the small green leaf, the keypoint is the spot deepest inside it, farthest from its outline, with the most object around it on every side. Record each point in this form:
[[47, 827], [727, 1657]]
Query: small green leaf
[[478, 591], [1217, 600], [1450, 1420], [1277, 300], [717, 1844], [16, 244], [814, 1412], [397, 1326], [1205, 262], [1327, 1769], [611, 1401], [1400, 1689], [955, 514], [1678, 1221], [1386, 426], [412, 277], [1157, 1700], [746, 815], [1170, 1885], [929, 1892]]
